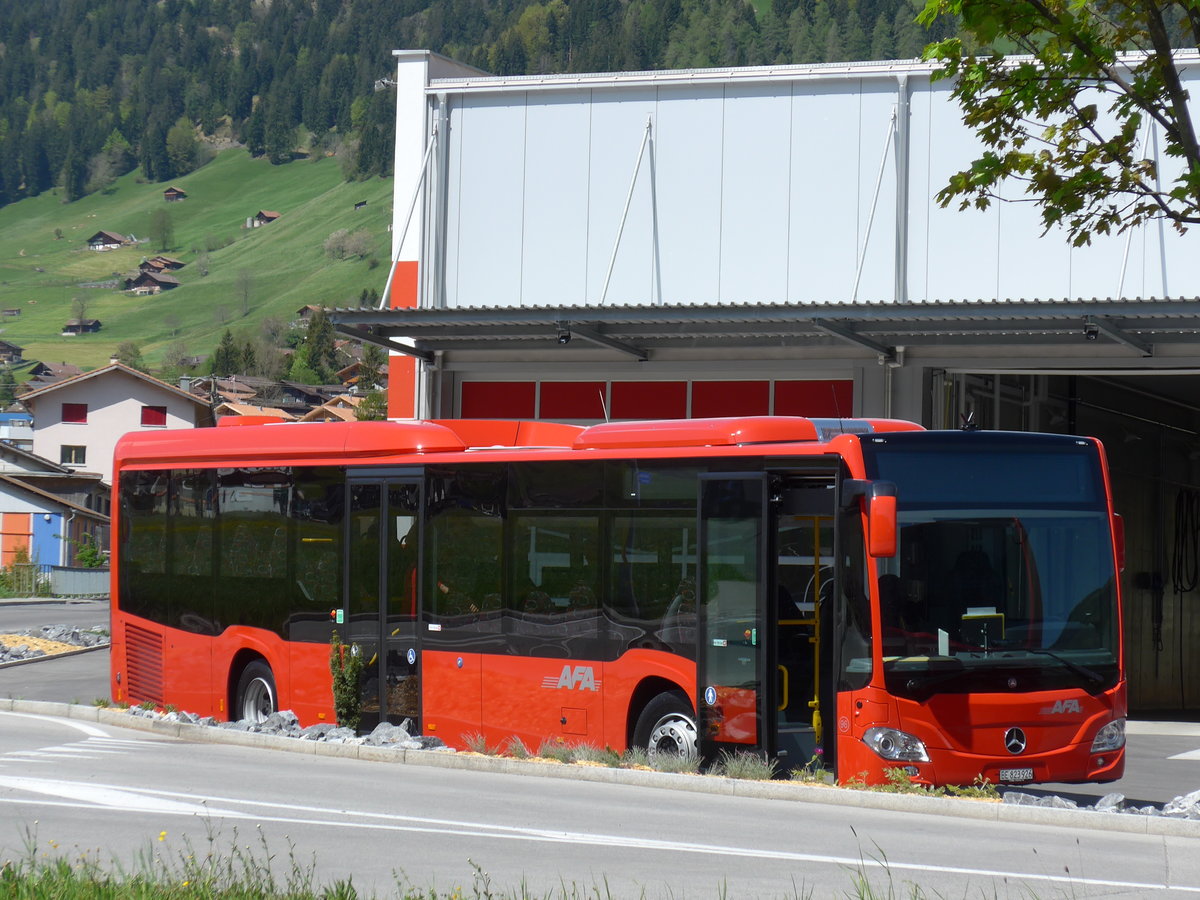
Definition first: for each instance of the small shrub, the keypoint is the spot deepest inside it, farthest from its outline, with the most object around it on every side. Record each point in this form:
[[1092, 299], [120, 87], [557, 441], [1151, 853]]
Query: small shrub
[[477, 743], [102, 702], [556, 749], [748, 766], [147, 705], [346, 663], [517, 750], [676, 763], [635, 758], [605, 757], [979, 789]]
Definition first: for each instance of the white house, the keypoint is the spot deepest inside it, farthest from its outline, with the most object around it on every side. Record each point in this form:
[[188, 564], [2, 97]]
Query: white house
[[77, 422]]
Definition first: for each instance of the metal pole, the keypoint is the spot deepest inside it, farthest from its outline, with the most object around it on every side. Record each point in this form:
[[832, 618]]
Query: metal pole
[[412, 205], [874, 202], [625, 212]]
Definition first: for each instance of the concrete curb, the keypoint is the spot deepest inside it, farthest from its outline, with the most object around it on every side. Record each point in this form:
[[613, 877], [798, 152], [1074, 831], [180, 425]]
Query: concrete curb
[[763, 790], [63, 655], [39, 601]]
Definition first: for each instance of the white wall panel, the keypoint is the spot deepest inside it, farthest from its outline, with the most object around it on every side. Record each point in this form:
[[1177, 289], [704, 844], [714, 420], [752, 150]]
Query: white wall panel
[[487, 199], [764, 192], [961, 247], [618, 125], [754, 194], [825, 191], [875, 239], [688, 148], [554, 222]]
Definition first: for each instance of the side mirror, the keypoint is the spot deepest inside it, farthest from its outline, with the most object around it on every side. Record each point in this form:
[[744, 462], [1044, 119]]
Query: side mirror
[[1119, 540], [881, 519]]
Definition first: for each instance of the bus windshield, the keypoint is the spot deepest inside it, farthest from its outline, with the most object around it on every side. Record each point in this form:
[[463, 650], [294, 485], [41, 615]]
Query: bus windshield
[[1010, 587]]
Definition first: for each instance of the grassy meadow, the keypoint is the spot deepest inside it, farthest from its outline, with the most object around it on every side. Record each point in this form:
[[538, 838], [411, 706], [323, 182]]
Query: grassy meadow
[[284, 263]]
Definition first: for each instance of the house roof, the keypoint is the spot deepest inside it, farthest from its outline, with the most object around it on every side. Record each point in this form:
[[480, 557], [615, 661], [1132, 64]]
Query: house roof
[[71, 322], [107, 235], [174, 190], [246, 409], [267, 214], [159, 277], [342, 407], [57, 370], [10, 346], [46, 496], [29, 458], [105, 370]]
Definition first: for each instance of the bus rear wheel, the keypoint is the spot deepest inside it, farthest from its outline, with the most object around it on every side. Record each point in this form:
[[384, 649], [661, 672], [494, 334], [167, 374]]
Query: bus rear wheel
[[667, 726], [256, 692]]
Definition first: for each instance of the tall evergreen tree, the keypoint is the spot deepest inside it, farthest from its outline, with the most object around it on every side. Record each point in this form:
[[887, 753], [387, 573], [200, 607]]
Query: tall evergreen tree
[[226, 360]]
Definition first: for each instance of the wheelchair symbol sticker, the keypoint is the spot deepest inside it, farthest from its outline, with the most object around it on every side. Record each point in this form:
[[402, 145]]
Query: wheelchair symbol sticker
[[412, 656]]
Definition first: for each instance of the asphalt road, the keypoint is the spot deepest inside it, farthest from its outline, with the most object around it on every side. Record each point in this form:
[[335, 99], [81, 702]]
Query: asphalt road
[[1163, 759], [121, 796]]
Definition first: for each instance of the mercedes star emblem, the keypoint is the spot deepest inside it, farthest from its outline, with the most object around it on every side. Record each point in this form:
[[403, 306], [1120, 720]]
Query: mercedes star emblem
[[1014, 741]]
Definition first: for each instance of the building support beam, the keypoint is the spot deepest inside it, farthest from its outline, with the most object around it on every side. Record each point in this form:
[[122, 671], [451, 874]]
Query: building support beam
[[841, 331], [367, 338], [1105, 326], [568, 330]]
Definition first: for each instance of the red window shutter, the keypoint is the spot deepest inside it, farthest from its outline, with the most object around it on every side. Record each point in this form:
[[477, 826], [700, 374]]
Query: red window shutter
[[154, 415], [75, 413]]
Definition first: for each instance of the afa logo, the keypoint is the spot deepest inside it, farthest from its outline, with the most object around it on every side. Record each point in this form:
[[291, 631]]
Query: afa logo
[[578, 678], [1062, 706]]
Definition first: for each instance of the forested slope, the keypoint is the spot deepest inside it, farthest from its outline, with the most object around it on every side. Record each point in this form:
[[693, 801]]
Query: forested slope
[[90, 89]]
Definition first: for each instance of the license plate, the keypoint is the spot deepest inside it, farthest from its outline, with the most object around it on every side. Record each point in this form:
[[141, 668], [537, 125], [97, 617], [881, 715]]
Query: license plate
[[1012, 776]]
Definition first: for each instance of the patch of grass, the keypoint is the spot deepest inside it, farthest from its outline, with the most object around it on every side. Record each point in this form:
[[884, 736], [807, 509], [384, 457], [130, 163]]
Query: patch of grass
[[147, 705], [102, 702], [517, 750], [41, 275], [748, 766], [676, 763], [477, 743], [557, 750], [635, 758], [606, 756]]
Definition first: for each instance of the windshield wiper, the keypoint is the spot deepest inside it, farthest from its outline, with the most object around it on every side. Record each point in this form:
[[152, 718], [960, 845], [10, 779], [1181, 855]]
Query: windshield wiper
[[1089, 674]]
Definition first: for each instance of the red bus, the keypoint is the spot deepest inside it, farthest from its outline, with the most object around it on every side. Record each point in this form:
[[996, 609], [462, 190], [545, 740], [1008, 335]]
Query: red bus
[[860, 592]]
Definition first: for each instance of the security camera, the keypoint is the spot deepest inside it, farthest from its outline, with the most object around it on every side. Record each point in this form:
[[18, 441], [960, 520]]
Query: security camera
[[1091, 331], [564, 336]]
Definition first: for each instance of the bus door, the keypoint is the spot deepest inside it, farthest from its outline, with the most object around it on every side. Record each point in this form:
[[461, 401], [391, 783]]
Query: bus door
[[732, 652], [802, 524], [380, 612]]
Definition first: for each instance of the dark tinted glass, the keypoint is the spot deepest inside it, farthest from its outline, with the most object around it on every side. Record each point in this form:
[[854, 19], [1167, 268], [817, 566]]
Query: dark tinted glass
[[986, 470]]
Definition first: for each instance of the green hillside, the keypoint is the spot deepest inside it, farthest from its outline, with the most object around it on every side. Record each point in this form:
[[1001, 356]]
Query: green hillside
[[284, 263]]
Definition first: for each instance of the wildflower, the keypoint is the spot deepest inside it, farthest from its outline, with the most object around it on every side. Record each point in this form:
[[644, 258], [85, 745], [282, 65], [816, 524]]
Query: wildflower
[[162, 835]]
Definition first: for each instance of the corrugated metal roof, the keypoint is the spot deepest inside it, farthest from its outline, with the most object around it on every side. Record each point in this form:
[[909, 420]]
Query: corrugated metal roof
[[1134, 324]]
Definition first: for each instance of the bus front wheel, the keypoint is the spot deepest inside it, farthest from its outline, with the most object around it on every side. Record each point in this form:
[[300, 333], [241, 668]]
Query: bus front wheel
[[256, 692], [667, 726]]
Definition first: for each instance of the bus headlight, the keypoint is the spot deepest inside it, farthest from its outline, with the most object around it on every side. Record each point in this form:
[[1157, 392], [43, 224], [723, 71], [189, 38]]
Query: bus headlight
[[1110, 737], [899, 746]]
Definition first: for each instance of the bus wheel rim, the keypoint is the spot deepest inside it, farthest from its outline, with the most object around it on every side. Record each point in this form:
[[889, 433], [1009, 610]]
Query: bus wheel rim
[[674, 735], [258, 703]]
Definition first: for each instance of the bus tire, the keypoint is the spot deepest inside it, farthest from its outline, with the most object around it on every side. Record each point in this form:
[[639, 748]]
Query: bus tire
[[256, 698], [668, 726]]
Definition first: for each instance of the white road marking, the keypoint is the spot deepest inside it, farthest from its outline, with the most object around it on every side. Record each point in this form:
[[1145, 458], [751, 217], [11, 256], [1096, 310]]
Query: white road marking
[[82, 795], [100, 795], [90, 730], [1191, 754]]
